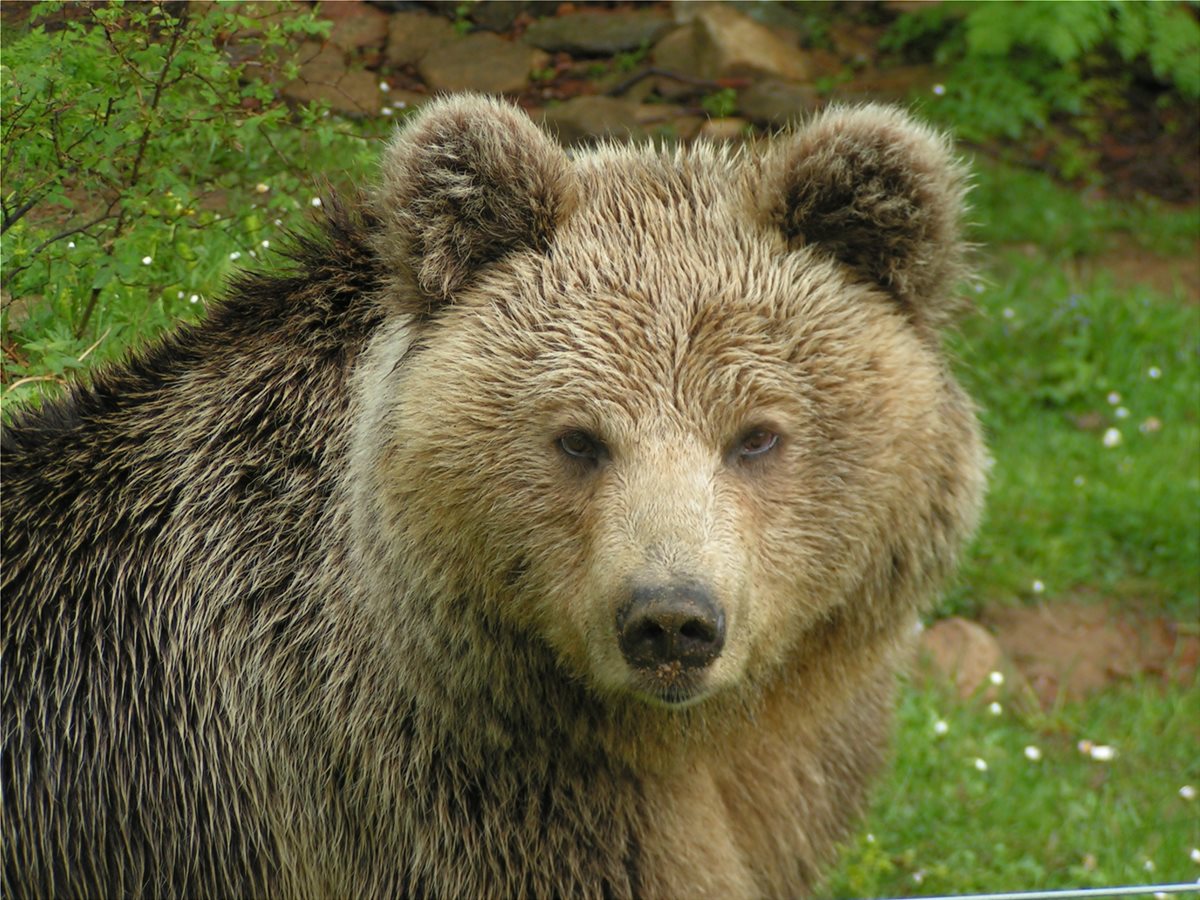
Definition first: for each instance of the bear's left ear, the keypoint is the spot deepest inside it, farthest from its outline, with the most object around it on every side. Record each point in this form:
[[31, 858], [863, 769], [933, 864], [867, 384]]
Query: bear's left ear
[[467, 181], [882, 193]]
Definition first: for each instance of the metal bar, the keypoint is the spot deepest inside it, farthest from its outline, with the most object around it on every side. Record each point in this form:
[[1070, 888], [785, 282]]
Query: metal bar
[[1081, 894]]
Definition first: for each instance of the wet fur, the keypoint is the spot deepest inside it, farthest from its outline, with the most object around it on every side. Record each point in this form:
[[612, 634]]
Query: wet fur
[[301, 603]]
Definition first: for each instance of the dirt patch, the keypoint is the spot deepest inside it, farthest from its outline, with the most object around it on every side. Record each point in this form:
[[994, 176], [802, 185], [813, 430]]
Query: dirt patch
[[1172, 276], [1067, 651]]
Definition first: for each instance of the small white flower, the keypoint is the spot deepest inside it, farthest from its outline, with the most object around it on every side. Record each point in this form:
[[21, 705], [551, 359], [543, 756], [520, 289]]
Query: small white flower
[[1121, 412], [1112, 437], [939, 90], [1038, 586], [980, 764], [918, 876], [1007, 312], [870, 838], [253, 255], [236, 254], [195, 298], [384, 86], [940, 727], [70, 245], [1103, 753], [265, 244], [1032, 753], [401, 104], [996, 678], [278, 222], [1154, 372], [1195, 855], [262, 188], [995, 708], [316, 201], [387, 111], [1113, 398], [977, 287], [180, 295], [1148, 865], [1187, 792], [146, 260], [1161, 895]]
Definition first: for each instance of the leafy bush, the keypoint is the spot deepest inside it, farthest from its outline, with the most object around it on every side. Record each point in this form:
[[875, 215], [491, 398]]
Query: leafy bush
[[1011, 66], [145, 150]]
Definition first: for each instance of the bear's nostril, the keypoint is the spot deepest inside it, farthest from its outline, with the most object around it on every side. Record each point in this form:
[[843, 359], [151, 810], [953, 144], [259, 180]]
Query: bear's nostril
[[671, 625]]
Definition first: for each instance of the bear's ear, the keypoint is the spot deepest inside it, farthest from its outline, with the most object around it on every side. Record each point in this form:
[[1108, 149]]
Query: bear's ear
[[467, 181], [882, 193]]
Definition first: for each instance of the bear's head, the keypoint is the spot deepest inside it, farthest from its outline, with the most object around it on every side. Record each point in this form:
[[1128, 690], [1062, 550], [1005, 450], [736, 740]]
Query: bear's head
[[681, 416]]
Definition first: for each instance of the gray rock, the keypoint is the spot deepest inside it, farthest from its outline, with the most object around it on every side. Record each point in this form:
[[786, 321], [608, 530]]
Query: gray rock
[[720, 42], [478, 62], [355, 25], [324, 75], [773, 102], [411, 35], [598, 33], [585, 119], [497, 15]]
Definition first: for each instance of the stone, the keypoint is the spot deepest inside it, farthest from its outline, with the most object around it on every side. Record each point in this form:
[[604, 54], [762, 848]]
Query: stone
[[732, 44], [730, 128], [589, 118], [720, 42], [324, 75], [775, 103], [478, 62], [965, 654], [599, 33], [355, 24], [411, 35], [497, 15]]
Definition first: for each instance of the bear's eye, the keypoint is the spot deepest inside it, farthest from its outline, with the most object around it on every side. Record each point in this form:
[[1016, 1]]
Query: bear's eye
[[583, 446], [757, 442]]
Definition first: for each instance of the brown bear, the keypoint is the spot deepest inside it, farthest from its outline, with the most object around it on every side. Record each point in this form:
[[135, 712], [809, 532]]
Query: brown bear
[[554, 527]]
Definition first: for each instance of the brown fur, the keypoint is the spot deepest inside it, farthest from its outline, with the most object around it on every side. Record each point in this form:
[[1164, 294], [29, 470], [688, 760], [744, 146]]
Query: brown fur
[[306, 601]]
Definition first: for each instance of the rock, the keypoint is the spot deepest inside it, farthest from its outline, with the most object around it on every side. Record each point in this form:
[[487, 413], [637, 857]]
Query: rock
[[965, 654], [324, 75], [411, 35], [720, 42], [497, 15], [599, 33], [731, 128], [772, 102], [355, 24], [478, 62], [584, 119]]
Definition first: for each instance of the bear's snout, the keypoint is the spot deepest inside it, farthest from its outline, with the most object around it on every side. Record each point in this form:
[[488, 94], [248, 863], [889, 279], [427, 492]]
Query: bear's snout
[[675, 625]]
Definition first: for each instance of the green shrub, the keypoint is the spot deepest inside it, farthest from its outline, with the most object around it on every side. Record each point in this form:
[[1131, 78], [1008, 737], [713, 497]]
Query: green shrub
[[143, 157], [1012, 66]]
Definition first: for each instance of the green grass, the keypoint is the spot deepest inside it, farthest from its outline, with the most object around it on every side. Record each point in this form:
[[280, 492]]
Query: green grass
[[1055, 361], [941, 825]]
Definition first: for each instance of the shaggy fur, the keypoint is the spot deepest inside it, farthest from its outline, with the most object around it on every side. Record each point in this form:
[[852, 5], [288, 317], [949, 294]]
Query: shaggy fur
[[307, 601]]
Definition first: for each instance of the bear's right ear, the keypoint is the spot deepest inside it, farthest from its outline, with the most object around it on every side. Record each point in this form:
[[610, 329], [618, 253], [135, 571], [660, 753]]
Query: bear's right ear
[[467, 181]]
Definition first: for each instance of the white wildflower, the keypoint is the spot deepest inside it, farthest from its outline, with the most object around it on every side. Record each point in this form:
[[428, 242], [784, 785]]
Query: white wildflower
[[1187, 792], [146, 260], [1112, 437], [1032, 753]]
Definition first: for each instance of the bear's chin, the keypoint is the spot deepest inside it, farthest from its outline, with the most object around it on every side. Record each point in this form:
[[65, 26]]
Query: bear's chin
[[668, 688]]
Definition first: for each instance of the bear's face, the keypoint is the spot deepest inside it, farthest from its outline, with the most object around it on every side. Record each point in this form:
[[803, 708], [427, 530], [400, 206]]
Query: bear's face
[[654, 425]]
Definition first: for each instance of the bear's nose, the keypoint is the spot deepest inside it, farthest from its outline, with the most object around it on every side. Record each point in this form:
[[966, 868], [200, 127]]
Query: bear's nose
[[664, 624]]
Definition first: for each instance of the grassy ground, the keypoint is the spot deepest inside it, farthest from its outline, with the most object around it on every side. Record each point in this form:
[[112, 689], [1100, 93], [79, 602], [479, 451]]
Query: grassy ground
[[1090, 393], [982, 801]]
